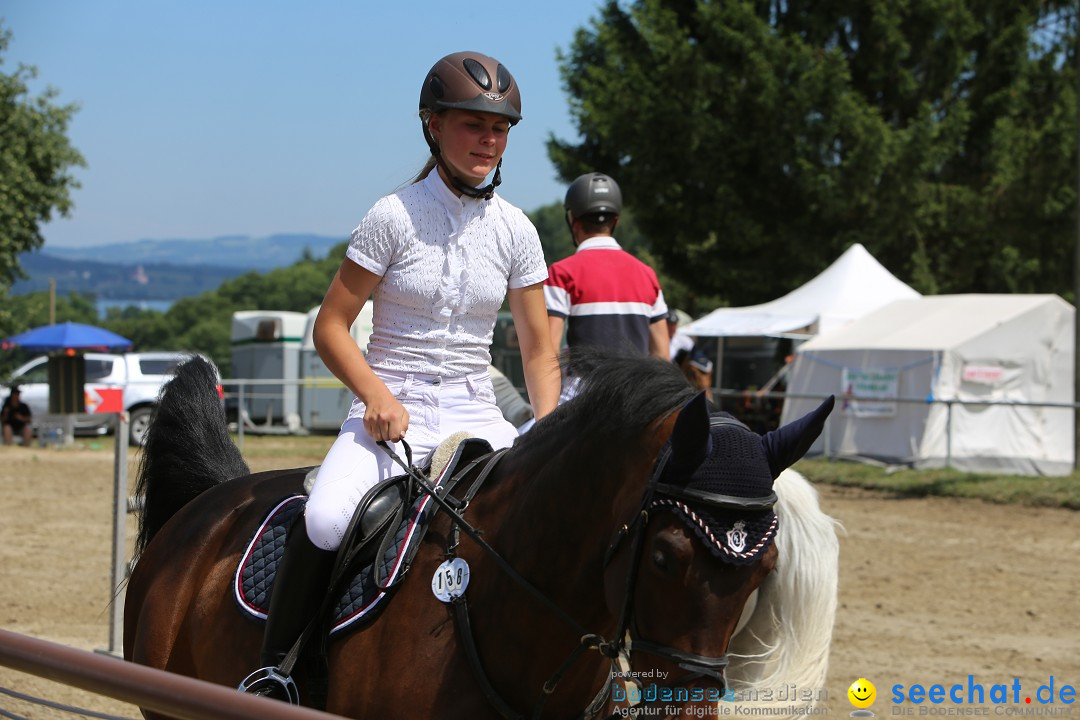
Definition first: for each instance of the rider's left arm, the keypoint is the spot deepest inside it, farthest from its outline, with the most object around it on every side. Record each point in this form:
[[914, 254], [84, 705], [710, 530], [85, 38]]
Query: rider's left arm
[[542, 377]]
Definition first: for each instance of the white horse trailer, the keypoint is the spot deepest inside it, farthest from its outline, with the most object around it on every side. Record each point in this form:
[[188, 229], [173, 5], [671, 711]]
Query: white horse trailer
[[266, 346], [324, 400]]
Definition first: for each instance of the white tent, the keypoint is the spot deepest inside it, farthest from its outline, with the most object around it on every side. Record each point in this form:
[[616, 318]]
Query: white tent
[[849, 288], [885, 367]]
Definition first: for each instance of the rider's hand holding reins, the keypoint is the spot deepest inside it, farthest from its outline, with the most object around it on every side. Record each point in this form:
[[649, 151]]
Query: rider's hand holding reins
[[385, 418]]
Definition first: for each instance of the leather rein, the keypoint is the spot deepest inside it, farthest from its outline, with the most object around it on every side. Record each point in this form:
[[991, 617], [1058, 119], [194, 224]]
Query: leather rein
[[616, 650]]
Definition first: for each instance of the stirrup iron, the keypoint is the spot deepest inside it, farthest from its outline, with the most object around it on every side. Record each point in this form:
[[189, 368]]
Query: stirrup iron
[[268, 681]]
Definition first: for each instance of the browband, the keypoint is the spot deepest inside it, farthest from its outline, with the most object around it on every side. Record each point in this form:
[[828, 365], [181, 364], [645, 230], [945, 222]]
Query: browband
[[716, 500]]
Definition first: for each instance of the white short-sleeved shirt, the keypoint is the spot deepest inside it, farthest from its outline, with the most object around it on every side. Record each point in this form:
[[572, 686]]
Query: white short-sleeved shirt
[[446, 264]]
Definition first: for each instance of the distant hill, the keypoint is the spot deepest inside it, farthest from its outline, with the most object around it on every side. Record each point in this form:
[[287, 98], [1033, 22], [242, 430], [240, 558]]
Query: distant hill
[[163, 269], [235, 251], [118, 281]]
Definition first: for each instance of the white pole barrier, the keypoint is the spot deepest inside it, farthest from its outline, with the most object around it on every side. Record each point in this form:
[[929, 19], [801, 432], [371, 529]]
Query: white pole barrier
[[119, 555]]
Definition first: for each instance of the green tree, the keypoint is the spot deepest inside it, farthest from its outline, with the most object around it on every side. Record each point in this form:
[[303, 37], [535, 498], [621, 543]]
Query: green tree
[[757, 140], [550, 222], [35, 163]]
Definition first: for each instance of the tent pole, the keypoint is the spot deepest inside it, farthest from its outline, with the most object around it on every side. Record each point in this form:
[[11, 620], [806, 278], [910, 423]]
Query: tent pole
[[719, 367], [1076, 269], [948, 433]]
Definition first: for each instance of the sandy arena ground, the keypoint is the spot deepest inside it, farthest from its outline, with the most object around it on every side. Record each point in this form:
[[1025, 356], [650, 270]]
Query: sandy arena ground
[[931, 590]]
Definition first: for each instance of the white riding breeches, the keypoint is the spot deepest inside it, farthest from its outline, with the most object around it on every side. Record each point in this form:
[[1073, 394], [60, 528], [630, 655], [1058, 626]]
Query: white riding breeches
[[438, 407]]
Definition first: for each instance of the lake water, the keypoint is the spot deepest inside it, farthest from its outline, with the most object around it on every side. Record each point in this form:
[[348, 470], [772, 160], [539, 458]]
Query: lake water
[[160, 305]]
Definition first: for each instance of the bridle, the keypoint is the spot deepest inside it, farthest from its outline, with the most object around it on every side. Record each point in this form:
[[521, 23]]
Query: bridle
[[618, 649], [696, 666]]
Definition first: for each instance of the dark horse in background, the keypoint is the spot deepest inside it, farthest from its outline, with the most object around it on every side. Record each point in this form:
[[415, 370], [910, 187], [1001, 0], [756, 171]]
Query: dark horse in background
[[570, 508]]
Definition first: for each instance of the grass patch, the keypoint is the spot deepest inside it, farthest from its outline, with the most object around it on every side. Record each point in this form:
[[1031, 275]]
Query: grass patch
[[1061, 492], [295, 448]]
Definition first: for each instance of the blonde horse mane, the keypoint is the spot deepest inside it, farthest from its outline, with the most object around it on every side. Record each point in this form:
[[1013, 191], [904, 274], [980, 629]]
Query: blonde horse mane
[[780, 654]]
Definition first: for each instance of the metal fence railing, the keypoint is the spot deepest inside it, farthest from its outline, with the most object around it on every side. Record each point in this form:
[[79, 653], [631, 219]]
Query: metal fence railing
[[949, 403]]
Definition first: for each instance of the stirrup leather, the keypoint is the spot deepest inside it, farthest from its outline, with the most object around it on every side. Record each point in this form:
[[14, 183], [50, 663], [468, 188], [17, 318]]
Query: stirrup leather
[[269, 682]]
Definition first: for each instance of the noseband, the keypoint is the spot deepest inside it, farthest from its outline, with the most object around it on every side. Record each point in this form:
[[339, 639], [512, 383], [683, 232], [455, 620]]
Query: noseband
[[618, 650]]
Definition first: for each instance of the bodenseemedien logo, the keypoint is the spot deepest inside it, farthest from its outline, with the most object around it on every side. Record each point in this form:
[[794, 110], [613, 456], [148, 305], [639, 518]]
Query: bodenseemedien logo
[[973, 698]]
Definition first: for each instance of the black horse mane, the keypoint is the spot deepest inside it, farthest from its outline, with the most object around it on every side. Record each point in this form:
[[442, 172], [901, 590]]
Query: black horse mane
[[618, 397], [187, 448]]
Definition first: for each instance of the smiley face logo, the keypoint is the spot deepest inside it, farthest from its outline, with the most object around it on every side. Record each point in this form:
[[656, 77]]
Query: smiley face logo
[[862, 693]]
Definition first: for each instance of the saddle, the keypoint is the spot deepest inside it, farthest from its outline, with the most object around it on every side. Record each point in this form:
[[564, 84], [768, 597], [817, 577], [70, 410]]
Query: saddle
[[368, 571]]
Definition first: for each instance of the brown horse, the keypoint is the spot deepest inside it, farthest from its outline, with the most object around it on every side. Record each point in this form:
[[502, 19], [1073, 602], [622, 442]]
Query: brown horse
[[592, 567]]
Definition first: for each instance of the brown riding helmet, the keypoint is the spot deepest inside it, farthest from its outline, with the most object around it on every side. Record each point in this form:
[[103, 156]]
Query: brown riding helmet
[[471, 81]]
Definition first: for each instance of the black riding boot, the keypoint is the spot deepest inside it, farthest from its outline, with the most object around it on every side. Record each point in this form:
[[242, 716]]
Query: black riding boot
[[301, 583]]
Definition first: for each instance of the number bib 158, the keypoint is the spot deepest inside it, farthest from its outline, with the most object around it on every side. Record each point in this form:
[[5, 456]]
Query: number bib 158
[[450, 580]]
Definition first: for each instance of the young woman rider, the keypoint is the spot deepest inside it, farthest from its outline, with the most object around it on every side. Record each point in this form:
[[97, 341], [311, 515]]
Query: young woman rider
[[438, 258]]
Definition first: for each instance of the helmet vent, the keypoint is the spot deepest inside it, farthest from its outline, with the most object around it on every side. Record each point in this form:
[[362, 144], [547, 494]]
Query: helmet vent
[[478, 73], [503, 77], [436, 86]]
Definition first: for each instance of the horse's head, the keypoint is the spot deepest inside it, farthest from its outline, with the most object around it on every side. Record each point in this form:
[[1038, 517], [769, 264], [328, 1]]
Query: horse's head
[[683, 568]]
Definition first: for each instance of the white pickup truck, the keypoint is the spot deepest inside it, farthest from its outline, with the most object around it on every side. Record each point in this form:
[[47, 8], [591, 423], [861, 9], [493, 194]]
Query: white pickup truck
[[138, 375]]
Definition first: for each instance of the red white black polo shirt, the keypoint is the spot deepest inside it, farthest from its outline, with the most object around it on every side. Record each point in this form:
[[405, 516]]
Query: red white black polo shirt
[[607, 296]]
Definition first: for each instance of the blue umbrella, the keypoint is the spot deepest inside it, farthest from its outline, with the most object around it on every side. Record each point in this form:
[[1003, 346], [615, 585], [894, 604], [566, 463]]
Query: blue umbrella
[[67, 336]]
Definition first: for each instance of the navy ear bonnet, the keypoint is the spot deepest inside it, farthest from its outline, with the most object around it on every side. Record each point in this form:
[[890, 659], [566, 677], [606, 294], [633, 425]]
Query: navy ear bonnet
[[732, 463], [735, 466]]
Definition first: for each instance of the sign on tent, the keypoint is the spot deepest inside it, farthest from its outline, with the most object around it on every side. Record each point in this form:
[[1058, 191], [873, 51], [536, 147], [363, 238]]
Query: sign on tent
[[866, 393]]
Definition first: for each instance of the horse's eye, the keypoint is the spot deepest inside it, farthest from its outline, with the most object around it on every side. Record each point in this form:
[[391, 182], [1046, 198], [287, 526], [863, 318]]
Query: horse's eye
[[660, 559]]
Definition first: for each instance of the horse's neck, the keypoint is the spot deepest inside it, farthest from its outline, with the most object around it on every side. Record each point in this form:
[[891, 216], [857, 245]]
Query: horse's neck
[[563, 511], [551, 523]]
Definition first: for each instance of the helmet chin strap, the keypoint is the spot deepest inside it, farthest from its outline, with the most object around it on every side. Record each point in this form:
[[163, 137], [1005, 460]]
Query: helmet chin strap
[[463, 187], [485, 192]]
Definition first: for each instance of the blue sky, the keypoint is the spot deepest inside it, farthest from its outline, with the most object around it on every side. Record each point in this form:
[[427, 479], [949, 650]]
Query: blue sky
[[201, 118]]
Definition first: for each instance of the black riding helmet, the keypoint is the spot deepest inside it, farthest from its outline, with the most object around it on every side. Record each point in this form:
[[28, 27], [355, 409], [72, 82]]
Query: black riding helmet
[[469, 81], [593, 195]]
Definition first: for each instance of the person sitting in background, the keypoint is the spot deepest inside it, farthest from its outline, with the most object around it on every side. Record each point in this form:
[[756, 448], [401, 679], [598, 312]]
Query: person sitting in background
[[15, 417]]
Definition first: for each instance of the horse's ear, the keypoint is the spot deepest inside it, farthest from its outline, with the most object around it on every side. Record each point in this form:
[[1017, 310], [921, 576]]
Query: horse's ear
[[787, 444], [691, 442]]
